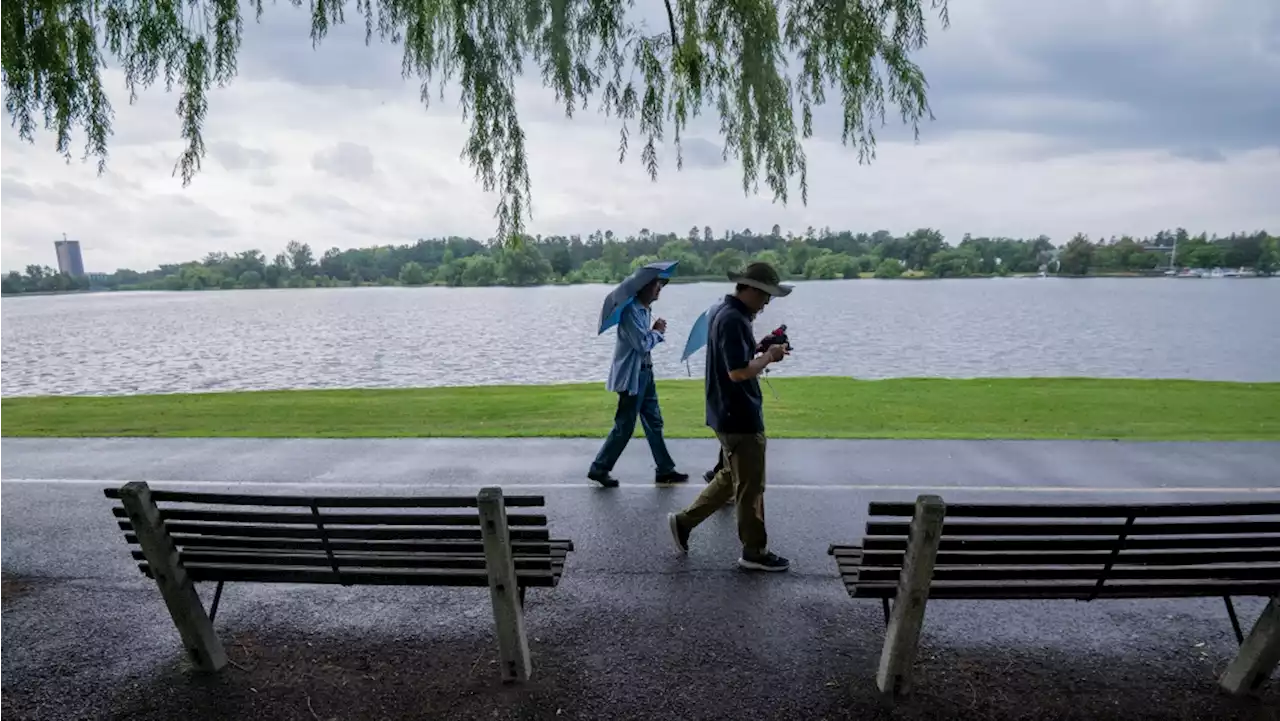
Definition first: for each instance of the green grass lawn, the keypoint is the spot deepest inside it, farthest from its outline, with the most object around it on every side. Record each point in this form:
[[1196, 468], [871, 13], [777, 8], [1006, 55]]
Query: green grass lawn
[[804, 408]]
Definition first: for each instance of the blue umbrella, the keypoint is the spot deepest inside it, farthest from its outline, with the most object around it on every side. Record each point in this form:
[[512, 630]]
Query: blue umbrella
[[698, 335], [625, 294]]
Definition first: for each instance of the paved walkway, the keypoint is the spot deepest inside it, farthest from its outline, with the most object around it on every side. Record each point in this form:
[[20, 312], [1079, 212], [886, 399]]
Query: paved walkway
[[634, 631]]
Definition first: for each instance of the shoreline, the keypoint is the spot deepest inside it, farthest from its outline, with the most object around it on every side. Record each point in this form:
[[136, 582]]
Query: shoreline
[[813, 407], [677, 281]]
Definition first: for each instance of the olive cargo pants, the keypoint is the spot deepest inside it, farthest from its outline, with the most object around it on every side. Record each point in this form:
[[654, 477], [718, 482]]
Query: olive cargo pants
[[741, 478]]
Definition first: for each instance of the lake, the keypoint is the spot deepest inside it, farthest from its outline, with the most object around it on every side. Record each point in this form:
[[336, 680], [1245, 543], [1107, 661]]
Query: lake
[[151, 342]]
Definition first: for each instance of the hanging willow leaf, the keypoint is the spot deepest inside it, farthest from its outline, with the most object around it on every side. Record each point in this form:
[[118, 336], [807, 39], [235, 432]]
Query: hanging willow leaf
[[731, 56]]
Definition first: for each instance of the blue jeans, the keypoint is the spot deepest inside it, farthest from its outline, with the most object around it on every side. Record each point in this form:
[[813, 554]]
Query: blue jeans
[[644, 406]]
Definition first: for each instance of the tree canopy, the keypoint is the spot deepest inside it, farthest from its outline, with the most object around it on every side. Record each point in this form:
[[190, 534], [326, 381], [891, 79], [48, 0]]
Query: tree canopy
[[733, 56]]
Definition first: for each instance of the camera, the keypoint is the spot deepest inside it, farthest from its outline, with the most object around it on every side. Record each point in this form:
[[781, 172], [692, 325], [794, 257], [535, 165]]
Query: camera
[[777, 337]]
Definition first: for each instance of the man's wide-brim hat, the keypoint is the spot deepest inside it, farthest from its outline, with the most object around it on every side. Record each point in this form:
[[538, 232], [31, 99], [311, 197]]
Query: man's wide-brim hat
[[761, 276]]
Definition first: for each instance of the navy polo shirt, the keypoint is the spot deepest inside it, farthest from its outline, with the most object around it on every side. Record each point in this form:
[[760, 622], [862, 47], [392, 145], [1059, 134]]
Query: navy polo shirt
[[732, 407]]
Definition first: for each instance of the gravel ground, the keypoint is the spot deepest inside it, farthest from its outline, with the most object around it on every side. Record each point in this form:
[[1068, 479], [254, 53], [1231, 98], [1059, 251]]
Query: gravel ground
[[13, 588], [617, 648]]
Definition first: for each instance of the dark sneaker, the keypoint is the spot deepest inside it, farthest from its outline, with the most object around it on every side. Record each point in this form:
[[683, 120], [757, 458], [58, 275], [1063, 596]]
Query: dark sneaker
[[679, 533], [709, 476], [766, 561], [670, 478], [603, 478]]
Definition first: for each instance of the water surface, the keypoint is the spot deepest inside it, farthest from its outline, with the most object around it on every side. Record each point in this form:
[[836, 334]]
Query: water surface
[[153, 342]]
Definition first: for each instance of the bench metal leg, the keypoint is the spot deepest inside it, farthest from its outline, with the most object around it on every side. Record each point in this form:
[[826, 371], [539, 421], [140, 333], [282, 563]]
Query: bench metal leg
[[213, 607], [884, 603], [504, 590], [179, 592], [907, 616], [1235, 621], [1259, 654]]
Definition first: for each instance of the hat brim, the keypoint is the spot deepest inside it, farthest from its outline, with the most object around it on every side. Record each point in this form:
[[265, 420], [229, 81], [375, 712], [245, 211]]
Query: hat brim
[[777, 291]]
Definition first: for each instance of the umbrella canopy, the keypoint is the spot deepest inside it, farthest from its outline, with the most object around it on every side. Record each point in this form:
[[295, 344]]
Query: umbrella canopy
[[697, 335], [625, 294]]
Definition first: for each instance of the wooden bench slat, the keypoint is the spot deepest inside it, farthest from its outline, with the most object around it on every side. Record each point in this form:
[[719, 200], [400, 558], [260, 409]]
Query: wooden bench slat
[[550, 554], [383, 577], [370, 534], [1076, 590], [1252, 572], [337, 519], [534, 550], [953, 529], [1081, 558], [240, 499], [887, 543], [361, 560], [1086, 510], [303, 544]]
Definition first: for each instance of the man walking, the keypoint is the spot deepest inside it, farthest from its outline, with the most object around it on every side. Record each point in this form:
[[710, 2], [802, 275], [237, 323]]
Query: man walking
[[631, 377], [735, 412]]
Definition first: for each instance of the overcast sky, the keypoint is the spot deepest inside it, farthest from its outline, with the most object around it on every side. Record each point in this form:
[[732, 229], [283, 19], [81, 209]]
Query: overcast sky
[[1096, 116]]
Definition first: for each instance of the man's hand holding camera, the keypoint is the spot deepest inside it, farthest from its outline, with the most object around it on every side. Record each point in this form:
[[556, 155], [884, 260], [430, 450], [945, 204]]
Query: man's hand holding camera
[[660, 325], [776, 352]]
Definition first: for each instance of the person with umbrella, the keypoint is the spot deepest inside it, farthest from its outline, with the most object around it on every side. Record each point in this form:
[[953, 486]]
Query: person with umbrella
[[696, 340], [631, 374], [735, 412]]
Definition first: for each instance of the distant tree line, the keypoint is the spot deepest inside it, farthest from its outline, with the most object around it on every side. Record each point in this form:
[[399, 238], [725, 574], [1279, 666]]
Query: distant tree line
[[42, 279], [602, 257]]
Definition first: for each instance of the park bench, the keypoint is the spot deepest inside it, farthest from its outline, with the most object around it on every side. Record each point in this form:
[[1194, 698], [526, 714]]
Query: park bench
[[1085, 552], [186, 538]]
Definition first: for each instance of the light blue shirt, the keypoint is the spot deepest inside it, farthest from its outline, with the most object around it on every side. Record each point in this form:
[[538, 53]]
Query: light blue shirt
[[636, 338]]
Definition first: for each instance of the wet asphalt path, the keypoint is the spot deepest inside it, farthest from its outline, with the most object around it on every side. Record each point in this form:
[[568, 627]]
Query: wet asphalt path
[[627, 599]]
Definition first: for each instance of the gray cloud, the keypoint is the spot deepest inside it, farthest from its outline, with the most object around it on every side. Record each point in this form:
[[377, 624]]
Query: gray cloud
[[279, 48], [72, 194], [351, 161], [234, 156], [325, 203], [267, 208], [221, 231], [1203, 155], [435, 181], [1111, 76], [701, 153], [14, 189], [176, 214], [123, 183], [56, 193]]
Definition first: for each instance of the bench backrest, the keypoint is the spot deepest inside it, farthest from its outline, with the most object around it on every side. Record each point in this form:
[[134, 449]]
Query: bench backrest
[[1086, 550], [428, 540]]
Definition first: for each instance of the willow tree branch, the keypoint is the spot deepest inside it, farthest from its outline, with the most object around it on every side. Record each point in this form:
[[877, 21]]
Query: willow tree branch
[[54, 51], [671, 18]]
